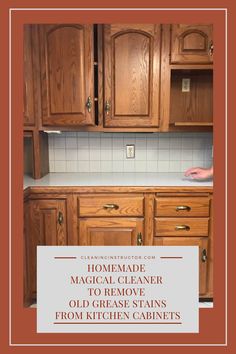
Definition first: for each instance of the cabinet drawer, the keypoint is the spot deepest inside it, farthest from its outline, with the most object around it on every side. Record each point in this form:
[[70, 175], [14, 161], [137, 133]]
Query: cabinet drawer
[[111, 205], [181, 226], [181, 206]]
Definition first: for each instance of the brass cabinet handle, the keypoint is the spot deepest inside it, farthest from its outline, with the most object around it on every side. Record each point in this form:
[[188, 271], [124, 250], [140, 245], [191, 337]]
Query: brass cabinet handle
[[183, 207], [211, 48], [139, 239], [60, 218], [111, 206], [204, 255], [89, 104], [182, 227], [107, 107]]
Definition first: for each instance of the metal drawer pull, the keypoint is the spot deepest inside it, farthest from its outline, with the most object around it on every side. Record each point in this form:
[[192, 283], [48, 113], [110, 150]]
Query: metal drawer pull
[[111, 206], [182, 227], [139, 239], [183, 207], [60, 218], [107, 107], [89, 104], [204, 255], [211, 48]]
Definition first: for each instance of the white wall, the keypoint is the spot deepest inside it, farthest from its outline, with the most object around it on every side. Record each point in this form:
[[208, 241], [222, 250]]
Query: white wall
[[105, 152]]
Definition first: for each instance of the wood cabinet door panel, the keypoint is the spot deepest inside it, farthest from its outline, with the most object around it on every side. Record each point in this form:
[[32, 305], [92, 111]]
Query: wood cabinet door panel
[[182, 206], [109, 232], [47, 227], [47, 224], [28, 84], [131, 67], [181, 226], [192, 44], [67, 74], [202, 243]]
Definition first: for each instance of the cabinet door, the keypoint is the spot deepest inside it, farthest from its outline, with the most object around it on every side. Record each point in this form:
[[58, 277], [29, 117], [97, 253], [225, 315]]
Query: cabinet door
[[67, 74], [47, 227], [110, 231], [28, 84], [131, 67], [191, 44], [202, 243]]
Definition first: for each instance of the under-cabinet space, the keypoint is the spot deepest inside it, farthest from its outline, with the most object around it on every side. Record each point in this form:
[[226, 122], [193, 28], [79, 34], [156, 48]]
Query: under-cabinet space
[[191, 97], [36, 155], [28, 156]]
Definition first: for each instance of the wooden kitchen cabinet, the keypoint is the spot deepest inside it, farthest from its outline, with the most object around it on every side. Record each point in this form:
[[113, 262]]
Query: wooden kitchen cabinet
[[111, 231], [118, 77], [107, 205], [189, 227], [67, 75], [186, 97], [192, 44], [128, 217], [202, 243], [49, 218], [185, 220], [191, 98], [47, 227], [111, 219], [31, 89], [131, 75]]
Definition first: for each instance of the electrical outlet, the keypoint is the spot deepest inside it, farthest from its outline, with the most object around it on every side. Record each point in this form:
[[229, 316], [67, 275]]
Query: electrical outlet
[[185, 85], [130, 151]]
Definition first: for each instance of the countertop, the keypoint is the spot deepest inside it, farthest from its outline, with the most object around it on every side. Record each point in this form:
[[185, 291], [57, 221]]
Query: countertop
[[115, 179]]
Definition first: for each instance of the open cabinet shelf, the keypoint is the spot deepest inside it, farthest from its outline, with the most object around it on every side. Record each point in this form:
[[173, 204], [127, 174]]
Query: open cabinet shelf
[[191, 98]]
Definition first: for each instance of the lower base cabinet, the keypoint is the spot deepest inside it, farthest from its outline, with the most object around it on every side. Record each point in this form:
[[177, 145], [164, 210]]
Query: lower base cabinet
[[202, 243], [47, 226], [111, 231], [67, 217]]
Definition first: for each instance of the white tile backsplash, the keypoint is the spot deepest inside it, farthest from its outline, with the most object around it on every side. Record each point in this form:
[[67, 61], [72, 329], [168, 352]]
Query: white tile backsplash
[[71, 166], [129, 165], [83, 166], [59, 142], [72, 154], [60, 154], [152, 166], [60, 166], [71, 142], [106, 152]]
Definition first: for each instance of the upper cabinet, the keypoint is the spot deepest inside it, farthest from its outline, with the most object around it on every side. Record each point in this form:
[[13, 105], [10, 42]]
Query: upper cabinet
[[118, 77], [191, 44], [131, 75], [67, 74], [30, 96]]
